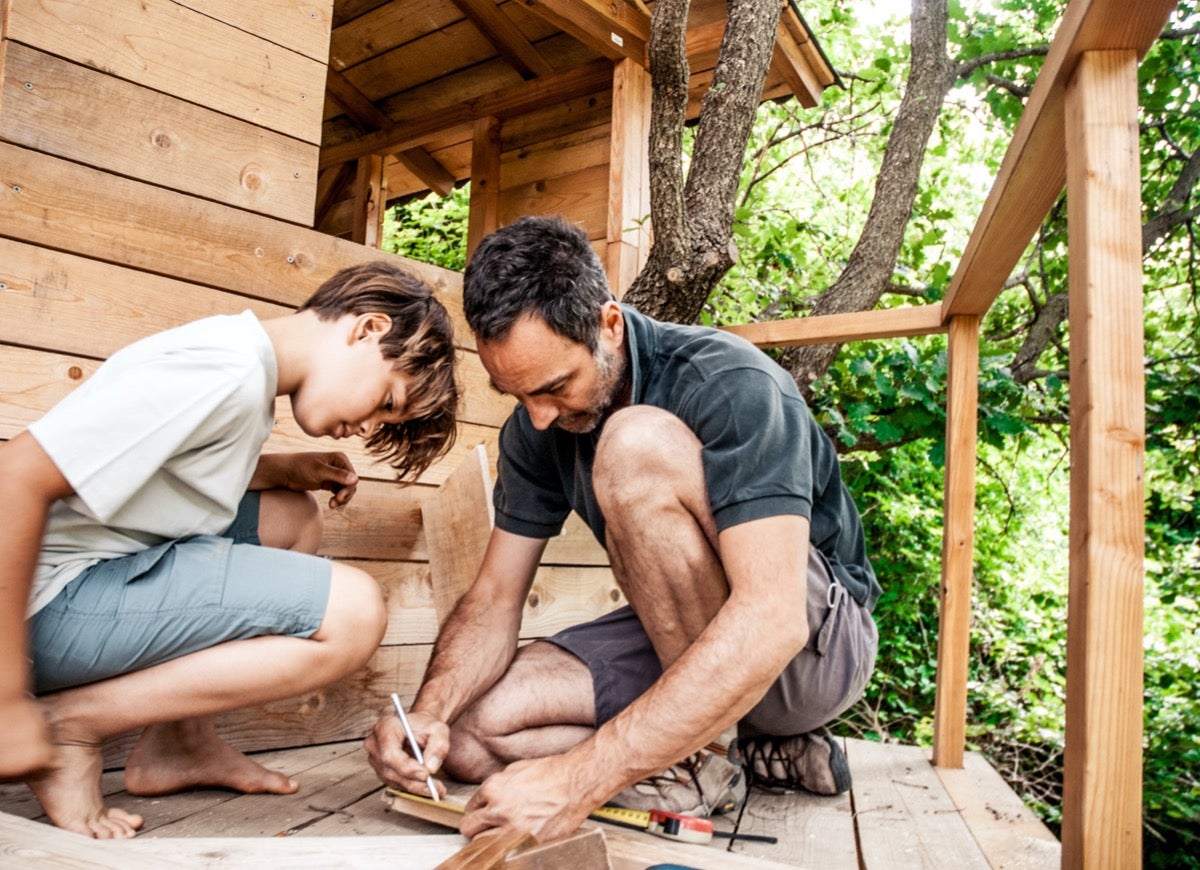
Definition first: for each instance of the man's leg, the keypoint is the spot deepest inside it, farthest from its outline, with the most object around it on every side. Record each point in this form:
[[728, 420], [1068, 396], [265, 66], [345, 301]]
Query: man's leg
[[543, 705], [174, 756], [661, 536]]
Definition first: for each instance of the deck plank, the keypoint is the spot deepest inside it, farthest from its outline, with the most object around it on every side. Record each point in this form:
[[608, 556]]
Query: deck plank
[[903, 815], [813, 831], [1007, 831]]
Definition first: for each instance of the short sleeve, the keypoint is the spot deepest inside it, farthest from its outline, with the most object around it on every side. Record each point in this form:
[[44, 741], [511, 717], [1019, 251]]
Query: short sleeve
[[528, 496]]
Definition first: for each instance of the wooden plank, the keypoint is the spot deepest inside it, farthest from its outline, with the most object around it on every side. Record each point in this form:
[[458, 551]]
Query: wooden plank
[[813, 831], [487, 853], [503, 103], [618, 31], [555, 156], [506, 37], [581, 197], [66, 110], [370, 817], [958, 542], [55, 203], [852, 326], [792, 65], [628, 232], [483, 216], [458, 524], [903, 816], [170, 48], [295, 853], [30, 844], [1007, 831], [385, 27], [300, 25], [383, 521], [576, 545], [1103, 751], [1034, 167]]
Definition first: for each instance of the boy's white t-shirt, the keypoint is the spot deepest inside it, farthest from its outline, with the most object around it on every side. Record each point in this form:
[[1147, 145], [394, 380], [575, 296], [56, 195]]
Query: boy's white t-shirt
[[159, 444]]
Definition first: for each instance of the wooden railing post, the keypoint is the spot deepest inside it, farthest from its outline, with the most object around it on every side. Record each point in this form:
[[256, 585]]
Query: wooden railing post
[[1102, 818], [958, 540], [484, 212]]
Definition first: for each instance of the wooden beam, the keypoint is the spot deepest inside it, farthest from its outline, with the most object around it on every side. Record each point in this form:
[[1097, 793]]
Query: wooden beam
[[793, 67], [331, 184], [369, 199], [628, 176], [852, 326], [616, 30], [458, 523], [1034, 168], [358, 106], [484, 214], [508, 39], [1102, 817], [504, 103], [958, 542]]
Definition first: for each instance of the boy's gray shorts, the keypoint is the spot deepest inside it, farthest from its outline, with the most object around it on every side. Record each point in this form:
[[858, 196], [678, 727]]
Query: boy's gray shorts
[[820, 683], [122, 615]]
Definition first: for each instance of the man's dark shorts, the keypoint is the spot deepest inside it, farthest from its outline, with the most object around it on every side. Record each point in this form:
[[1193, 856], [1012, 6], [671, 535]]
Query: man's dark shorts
[[122, 615], [819, 684]]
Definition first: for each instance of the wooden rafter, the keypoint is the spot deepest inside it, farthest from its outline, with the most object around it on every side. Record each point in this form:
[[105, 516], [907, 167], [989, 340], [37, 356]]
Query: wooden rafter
[[358, 106], [615, 29], [503, 103], [499, 30]]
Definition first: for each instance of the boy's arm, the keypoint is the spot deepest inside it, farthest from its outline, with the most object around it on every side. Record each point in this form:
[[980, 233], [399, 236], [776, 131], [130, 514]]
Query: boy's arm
[[304, 472], [29, 483], [473, 650]]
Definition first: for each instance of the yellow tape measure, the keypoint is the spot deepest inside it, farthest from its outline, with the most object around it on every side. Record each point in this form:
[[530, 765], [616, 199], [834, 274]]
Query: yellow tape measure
[[672, 826]]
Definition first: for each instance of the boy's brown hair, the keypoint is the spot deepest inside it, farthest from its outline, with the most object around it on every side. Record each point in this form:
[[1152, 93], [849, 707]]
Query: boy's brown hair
[[421, 345]]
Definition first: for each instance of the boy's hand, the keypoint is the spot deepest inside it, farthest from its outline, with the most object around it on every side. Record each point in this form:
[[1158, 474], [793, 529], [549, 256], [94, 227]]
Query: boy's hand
[[304, 472], [386, 750]]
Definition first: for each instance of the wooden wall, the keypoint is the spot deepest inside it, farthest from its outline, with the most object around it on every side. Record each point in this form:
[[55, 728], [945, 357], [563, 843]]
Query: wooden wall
[[158, 164]]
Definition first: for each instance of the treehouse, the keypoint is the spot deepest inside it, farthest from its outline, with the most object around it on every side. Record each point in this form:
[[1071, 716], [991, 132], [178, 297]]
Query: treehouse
[[165, 160]]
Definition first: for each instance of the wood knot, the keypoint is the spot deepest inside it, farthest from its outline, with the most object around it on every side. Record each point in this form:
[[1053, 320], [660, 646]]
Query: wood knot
[[74, 373], [533, 600], [253, 178], [614, 594], [163, 140]]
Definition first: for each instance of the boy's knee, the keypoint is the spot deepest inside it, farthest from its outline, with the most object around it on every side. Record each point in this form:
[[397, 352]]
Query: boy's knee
[[290, 520], [356, 614]]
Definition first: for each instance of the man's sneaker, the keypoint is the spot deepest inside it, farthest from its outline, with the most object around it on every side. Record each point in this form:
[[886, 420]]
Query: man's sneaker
[[811, 762], [700, 785]]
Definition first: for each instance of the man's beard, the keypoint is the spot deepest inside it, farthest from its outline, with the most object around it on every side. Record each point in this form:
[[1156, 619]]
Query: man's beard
[[611, 382]]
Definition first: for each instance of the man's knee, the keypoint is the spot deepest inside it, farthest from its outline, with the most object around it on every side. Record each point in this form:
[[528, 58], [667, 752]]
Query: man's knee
[[641, 449]]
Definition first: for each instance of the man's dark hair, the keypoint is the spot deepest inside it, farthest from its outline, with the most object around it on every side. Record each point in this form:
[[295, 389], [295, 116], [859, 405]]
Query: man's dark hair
[[542, 266]]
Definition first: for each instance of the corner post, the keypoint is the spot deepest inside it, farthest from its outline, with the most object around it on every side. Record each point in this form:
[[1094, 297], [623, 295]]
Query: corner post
[[1102, 810]]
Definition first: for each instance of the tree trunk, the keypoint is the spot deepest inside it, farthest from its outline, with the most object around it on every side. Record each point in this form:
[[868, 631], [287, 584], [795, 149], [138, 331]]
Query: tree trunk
[[869, 269], [693, 220]]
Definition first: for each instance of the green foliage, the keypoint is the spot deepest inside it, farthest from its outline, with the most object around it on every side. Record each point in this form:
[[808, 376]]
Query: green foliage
[[432, 229]]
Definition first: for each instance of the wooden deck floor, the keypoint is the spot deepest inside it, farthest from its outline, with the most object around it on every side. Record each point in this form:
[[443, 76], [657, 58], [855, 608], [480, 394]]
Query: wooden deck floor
[[901, 813]]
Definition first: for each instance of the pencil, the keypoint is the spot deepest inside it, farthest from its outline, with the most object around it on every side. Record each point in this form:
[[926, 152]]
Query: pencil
[[412, 741]]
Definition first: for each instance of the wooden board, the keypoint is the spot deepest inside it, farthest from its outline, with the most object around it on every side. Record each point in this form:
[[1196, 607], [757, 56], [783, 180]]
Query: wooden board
[[68, 110], [26, 844], [904, 818], [813, 831], [458, 524], [301, 25], [170, 48], [581, 197], [54, 203], [1008, 832]]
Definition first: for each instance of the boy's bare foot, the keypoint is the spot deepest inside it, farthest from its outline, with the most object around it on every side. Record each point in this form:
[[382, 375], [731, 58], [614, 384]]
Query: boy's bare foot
[[176, 756], [69, 792], [25, 748]]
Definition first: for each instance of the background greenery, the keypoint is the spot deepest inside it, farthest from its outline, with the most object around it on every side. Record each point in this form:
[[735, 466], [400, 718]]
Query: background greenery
[[806, 189]]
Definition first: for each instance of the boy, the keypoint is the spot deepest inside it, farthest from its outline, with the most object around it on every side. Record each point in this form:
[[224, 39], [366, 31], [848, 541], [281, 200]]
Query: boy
[[133, 511]]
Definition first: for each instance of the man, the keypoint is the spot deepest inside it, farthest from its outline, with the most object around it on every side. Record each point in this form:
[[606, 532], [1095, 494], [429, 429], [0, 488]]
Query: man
[[695, 462]]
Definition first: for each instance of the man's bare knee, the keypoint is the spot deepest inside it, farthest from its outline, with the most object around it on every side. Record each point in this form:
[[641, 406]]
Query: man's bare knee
[[645, 452]]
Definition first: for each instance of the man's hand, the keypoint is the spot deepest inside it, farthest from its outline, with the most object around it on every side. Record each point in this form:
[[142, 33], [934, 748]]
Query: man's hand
[[303, 472], [536, 795], [394, 766]]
